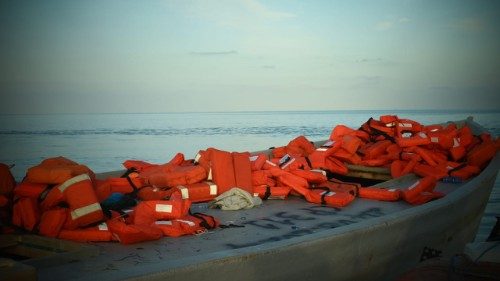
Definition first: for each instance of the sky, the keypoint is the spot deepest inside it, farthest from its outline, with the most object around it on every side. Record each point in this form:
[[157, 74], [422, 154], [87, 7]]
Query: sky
[[248, 55]]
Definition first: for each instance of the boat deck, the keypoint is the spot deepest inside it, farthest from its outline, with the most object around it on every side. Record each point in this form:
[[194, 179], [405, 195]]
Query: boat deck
[[283, 221]]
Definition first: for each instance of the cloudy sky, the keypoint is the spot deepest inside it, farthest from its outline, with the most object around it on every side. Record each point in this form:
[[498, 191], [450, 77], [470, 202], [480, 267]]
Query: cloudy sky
[[234, 55]]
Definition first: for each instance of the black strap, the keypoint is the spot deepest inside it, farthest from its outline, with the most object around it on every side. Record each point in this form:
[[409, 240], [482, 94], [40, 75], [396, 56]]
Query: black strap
[[204, 223], [323, 195], [287, 159], [44, 193], [128, 172], [231, 225], [308, 162], [268, 193]]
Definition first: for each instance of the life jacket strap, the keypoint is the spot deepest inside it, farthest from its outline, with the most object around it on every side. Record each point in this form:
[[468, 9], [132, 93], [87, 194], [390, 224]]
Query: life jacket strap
[[268, 193]]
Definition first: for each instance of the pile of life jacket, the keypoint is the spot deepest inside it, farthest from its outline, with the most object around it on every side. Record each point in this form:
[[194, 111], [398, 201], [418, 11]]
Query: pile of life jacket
[[60, 198]]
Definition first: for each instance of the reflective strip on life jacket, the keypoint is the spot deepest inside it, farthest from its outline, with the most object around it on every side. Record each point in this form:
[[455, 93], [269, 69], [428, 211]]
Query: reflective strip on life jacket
[[72, 181], [83, 211]]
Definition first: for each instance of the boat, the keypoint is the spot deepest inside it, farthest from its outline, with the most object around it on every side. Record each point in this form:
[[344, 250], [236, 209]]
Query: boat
[[288, 239]]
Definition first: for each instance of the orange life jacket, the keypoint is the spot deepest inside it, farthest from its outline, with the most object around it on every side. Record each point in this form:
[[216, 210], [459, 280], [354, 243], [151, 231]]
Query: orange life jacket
[[290, 163], [318, 157], [461, 143], [4, 201], [481, 154], [330, 198], [300, 146], [56, 171], [131, 233], [28, 189], [257, 161], [98, 233], [415, 139], [425, 197], [261, 177], [296, 183], [465, 172], [188, 225], [381, 194], [227, 169], [412, 193], [52, 222], [375, 150], [442, 137], [79, 193], [198, 192], [7, 181], [146, 212], [312, 176], [339, 186], [177, 175], [148, 193], [271, 192], [120, 185], [242, 170], [25, 213]]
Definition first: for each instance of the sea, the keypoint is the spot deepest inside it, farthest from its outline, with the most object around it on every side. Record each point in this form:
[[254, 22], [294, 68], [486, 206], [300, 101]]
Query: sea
[[104, 141]]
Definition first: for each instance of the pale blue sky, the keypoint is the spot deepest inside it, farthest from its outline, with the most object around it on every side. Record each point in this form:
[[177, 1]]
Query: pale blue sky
[[164, 56]]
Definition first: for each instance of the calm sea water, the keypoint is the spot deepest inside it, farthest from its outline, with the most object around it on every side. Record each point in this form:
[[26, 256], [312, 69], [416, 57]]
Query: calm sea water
[[104, 141]]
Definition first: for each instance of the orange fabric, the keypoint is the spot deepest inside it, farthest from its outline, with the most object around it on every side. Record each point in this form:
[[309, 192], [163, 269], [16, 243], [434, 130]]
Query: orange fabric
[[7, 181], [242, 170], [272, 192], [25, 213], [481, 154], [28, 189], [89, 234], [376, 149], [312, 176], [56, 170], [257, 161], [300, 146], [146, 212], [177, 175], [330, 198], [81, 195], [413, 192], [130, 234], [198, 192], [52, 222], [154, 193], [222, 169], [381, 194], [187, 225]]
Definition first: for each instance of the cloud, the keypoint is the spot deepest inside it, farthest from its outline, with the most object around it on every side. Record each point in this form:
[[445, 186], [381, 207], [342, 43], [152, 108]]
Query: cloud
[[377, 61], [217, 53], [391, 23], [268, 66]]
